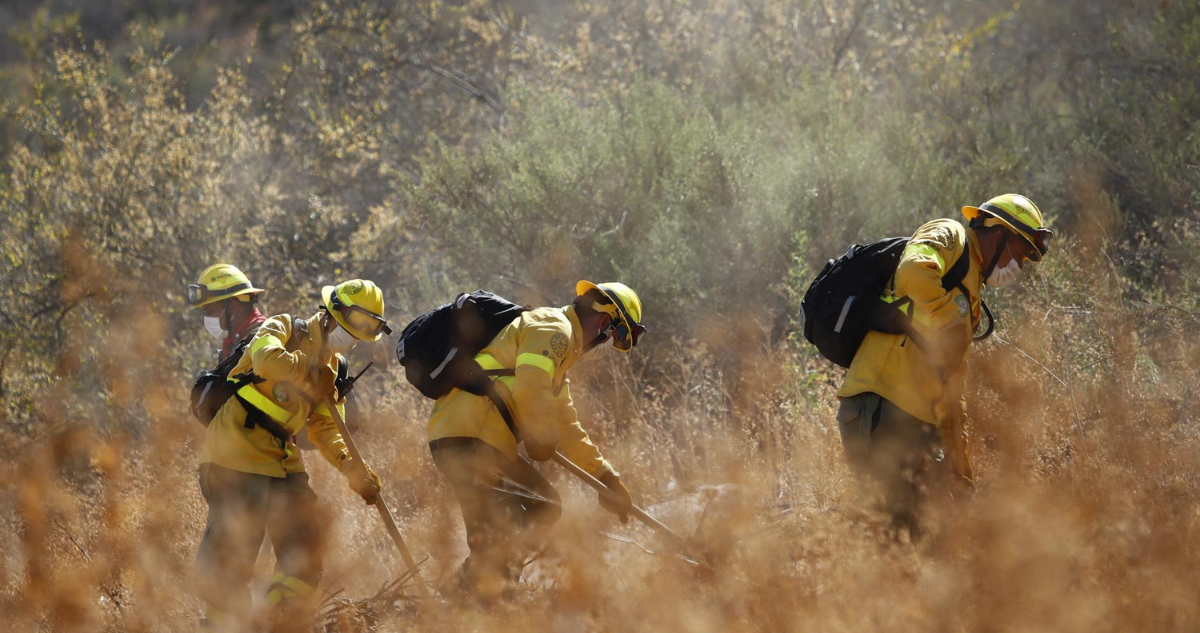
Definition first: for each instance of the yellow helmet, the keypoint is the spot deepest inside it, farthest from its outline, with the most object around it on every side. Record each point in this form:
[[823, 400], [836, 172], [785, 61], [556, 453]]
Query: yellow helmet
[[357, 306], [1020, 215], [219, 282], [625, 309]]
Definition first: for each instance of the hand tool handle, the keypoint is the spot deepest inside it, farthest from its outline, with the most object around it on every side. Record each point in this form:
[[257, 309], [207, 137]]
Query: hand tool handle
[[612, 496], [384, 513]]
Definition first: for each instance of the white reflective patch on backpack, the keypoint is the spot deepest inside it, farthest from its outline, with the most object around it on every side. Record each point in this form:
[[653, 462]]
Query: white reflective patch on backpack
[[449, 357], [842, 318]]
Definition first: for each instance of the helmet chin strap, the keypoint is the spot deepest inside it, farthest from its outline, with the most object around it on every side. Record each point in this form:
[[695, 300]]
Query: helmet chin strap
[[599, 340], [991, 267]]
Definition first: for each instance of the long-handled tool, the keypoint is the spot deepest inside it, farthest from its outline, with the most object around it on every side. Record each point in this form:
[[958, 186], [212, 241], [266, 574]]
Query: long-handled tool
[[641, 515], [380, 505]]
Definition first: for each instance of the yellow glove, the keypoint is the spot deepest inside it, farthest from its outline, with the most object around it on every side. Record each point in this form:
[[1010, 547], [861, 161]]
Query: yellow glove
[[624, 502], [954, 440], [362, 479], [952, 419], [540, 452]]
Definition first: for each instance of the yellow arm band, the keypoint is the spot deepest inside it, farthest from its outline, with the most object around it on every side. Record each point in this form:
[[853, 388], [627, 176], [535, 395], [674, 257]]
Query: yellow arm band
[[537, 360], [925, 250], [263, 341]]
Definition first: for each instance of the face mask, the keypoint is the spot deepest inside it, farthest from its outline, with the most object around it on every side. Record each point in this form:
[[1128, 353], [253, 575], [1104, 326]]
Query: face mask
[[597, 353], [341, 341], [1006, 276], [213, 325]]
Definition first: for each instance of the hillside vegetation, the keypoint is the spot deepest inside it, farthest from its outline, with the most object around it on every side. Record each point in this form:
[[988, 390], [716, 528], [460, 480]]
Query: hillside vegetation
[[712, 154]]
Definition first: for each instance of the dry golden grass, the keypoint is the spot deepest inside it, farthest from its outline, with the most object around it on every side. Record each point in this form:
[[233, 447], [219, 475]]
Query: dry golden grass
[[739, 144], [1086, 520]]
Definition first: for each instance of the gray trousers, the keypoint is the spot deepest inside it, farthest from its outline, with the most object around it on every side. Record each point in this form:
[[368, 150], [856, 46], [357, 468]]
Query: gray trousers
[[891, 452], [241, 508], [507, 509]]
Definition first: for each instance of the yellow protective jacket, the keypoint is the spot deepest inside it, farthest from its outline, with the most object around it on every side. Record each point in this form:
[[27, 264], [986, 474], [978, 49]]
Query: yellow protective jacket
[[892, 365], [541, 345], [281, 354]]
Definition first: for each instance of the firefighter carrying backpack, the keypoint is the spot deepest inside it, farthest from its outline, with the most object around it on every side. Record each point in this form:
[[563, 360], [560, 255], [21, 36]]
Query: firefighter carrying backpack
[[843, 303], [213, 387], [438, 348]]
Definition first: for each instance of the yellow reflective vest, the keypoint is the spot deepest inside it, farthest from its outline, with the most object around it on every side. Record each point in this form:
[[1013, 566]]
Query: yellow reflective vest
[[281, 354], [892, 365], [540, 345]]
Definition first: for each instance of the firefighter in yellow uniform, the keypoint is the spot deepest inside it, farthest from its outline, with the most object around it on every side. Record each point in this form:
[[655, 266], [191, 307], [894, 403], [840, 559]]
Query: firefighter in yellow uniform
[[507, 506], [902, 402], [252, 474], [227, 299]]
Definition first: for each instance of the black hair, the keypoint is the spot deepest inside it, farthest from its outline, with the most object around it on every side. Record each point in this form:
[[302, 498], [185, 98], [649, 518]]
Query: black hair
[[584, 301], [583, 307]]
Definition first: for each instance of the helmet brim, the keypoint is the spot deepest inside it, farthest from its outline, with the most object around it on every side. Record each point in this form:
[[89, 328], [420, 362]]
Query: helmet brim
[[244, 291], [584, 286]]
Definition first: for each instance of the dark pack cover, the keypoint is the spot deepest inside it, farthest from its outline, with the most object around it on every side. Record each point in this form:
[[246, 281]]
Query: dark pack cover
[[212, 388], [837, 309], [438, 348]]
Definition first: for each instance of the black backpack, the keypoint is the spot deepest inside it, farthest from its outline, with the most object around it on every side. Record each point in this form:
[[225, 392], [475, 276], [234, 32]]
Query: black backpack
[[438, 348], [213, 388], [843, 303]]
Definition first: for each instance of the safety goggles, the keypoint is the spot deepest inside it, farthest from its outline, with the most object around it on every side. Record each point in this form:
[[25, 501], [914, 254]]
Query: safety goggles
[[625, 337], [197, 294], [361, 321], [1040, 238]]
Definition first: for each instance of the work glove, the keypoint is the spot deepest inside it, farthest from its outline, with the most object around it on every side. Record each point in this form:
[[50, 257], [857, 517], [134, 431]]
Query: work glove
[[539, 451], [957, 447], [621, 506], [362, 479], [323, 381]]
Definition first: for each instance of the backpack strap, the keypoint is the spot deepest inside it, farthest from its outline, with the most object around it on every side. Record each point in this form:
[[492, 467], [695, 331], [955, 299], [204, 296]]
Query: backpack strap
[[254, 416], [235, 355], [958, 271], [484, 384], [954, 279], [489, 390]]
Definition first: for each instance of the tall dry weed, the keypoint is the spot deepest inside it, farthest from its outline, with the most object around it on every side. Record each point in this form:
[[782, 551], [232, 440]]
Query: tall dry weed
[[1085, 520]]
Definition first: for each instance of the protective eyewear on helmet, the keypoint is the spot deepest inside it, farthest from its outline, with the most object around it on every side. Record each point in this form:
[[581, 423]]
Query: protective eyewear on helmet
[[363, 321], [197, 293], [625, 337], [1040, 237]]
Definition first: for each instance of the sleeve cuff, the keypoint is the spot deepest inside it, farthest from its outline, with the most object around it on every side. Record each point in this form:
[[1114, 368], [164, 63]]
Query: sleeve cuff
[[604, 470]]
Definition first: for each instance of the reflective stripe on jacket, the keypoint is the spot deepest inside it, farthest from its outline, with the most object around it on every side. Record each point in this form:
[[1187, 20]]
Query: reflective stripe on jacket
[[892, 365], [281, 355], [541, 345]]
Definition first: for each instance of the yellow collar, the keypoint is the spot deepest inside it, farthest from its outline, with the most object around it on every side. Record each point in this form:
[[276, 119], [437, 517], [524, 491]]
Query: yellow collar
[[976, 251], [576, 328]]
